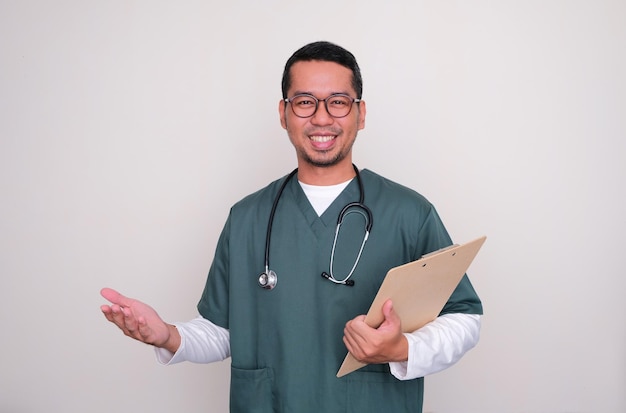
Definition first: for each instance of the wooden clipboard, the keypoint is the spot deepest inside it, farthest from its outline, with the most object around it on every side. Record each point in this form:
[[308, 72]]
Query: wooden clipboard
[[419, 290]]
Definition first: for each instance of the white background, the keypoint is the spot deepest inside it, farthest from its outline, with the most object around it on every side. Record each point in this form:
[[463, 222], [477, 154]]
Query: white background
[[128, 128]]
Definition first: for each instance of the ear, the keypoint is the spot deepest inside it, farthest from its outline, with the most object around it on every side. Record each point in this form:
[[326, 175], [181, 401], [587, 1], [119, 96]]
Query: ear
[[362, 112], [282, 114]]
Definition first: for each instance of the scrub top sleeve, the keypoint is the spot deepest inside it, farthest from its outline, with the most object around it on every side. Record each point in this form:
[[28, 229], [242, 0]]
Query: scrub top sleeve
[[433, 236], [464, 299], [214, 302]]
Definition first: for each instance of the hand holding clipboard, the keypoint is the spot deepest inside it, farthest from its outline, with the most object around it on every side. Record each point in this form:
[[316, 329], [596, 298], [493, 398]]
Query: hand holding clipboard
[[419, 290]]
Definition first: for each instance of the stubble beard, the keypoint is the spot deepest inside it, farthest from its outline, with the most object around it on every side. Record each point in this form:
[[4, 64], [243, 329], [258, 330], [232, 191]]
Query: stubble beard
[[323, 161]]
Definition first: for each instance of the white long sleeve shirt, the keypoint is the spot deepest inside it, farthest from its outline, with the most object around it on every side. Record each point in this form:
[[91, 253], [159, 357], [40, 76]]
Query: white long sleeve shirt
[[434, 347]]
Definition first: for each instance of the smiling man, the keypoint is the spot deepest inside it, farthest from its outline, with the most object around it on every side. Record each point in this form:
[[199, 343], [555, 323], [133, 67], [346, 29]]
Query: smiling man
[[322, 130], [287, 329]]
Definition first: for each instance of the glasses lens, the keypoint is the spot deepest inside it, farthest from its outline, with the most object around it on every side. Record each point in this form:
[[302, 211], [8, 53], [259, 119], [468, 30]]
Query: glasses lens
[[304, 105], [339, 105]]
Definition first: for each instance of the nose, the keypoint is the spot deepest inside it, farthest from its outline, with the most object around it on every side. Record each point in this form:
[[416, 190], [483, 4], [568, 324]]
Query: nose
[[321, 115]]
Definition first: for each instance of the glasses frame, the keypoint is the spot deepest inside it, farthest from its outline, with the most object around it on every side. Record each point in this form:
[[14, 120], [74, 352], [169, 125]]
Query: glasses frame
[[317, 104]]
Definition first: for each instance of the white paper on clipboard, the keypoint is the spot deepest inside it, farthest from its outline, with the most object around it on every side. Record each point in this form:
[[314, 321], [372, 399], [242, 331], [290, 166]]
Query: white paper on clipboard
[[419, 290]]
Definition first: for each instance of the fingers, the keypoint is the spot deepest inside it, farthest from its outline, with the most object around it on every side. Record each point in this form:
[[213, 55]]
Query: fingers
[[359, 330], [125, 320], [115, 297], [355, 336], [375, 345], [110, 294], [119, 311], [116, 313], [356, 345]]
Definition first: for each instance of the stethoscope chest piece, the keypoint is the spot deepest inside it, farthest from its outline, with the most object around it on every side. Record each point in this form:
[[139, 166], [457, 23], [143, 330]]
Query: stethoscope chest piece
[[268, 280]]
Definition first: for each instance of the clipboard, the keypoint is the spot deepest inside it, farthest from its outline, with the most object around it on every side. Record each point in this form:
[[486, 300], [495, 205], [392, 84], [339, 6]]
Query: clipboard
[[419, 290]]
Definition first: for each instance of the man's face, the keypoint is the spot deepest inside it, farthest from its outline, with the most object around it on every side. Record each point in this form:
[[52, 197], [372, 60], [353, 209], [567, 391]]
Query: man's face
[[322, 140]]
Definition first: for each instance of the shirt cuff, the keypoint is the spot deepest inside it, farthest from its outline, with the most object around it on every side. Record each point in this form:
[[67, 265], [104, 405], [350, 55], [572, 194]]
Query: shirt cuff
[[201, 341], [438, 345]]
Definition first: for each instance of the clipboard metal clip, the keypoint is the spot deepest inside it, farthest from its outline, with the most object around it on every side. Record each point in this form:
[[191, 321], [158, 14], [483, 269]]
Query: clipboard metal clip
[[430, 254]]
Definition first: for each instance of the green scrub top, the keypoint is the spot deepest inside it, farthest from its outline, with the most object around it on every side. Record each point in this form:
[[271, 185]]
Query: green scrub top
[[286, 343]]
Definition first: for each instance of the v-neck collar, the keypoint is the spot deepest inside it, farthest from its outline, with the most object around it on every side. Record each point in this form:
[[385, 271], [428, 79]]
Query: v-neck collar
[[330, 216]]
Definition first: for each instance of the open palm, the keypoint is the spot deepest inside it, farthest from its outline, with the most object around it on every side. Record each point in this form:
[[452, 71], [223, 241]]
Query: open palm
[[135, 318]]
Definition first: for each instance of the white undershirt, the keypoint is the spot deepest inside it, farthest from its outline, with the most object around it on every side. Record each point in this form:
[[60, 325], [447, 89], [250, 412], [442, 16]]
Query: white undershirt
[[434, 347], [321, 197]]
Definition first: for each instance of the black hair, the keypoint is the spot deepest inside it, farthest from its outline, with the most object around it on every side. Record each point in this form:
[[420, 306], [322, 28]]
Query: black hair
[[326, 52]]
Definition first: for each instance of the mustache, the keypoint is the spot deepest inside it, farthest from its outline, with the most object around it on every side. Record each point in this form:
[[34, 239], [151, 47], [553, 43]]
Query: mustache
[[323, 131]]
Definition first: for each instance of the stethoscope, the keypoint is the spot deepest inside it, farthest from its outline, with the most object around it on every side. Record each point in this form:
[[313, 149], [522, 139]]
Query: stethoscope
[[268, 279]]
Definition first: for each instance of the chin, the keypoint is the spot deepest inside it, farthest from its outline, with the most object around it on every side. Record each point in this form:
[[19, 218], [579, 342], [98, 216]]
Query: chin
[[324, 162]]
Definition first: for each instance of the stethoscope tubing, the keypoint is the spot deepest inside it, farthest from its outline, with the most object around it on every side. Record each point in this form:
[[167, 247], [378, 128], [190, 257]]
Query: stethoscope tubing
[[268, 234], [268, 279]]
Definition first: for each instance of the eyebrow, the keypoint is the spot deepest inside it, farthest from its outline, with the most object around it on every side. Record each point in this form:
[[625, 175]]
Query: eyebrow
[[304, 92]]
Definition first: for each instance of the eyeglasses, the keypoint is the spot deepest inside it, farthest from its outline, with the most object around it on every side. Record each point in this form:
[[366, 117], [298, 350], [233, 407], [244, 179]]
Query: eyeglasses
[[337, 105]]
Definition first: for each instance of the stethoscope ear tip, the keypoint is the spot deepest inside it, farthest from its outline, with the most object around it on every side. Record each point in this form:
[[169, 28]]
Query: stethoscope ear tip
[[327, 276]]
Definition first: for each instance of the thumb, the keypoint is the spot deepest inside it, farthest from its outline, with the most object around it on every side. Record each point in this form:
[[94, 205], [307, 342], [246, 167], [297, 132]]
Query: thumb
[[389, 313], [115, 297]]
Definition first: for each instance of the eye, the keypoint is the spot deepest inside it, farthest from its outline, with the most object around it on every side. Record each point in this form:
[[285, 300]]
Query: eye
[[339, 101], [303, 101]]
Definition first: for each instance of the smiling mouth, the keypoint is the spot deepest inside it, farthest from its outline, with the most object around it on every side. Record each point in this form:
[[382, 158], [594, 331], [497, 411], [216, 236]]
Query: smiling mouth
[[322, 138]]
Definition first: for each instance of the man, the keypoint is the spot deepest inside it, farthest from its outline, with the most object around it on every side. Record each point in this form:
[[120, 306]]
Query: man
[[288, 339]]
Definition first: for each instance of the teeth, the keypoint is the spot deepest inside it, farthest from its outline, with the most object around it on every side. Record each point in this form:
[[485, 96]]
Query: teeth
[[325, 138]]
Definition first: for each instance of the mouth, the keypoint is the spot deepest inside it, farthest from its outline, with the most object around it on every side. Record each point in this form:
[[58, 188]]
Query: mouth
[[322, 138]]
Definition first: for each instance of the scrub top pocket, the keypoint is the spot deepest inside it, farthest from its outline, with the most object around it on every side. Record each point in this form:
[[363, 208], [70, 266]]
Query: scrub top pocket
[[382, 392], [251, 390]]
